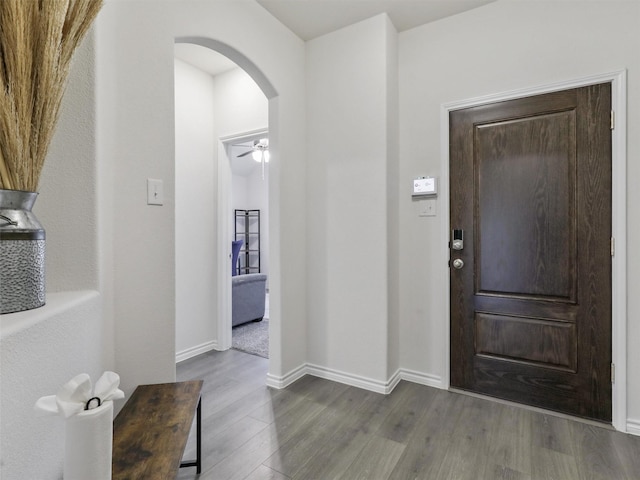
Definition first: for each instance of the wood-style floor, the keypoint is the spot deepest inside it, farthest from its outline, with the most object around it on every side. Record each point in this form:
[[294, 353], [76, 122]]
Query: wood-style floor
[[318, 429]]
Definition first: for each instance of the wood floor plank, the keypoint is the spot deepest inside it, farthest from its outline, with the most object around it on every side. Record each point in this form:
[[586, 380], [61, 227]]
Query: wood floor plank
[[334, 457], [509, 443], [324, 430], [553, 465], [245, 459], [595, 452], [319, 390], [213, 364], [431, 439], [628, 450], [500, 472], [339, 414], [373, 411], [292, 455], [224, 443], [253, 453], [376, 460], [342, 444], [220, 419], [279, 402], [552, 433], [411, 401], [229, 394], [467, 455], [266, 473]]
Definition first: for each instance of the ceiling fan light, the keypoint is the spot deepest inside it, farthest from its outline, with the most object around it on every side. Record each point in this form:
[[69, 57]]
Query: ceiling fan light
[[267, 156], [257, 155]]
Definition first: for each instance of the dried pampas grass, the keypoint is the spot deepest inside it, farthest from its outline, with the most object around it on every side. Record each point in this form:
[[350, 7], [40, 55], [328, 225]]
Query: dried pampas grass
[[37, 41]]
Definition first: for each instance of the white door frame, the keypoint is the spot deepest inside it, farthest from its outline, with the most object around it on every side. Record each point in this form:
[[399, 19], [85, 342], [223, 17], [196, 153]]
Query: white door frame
[[618, 81], [225, 229]]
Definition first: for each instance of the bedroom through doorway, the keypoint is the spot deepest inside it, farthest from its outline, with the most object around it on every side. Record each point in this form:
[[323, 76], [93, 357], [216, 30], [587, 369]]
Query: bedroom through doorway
[[249, 164]]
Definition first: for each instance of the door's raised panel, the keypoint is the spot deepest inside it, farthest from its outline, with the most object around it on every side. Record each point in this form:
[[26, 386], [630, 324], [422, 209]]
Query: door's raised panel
[[554, 309], [546, 343], [525, 184]]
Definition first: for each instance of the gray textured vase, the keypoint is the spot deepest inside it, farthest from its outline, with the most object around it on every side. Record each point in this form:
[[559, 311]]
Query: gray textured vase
[[22, 250]]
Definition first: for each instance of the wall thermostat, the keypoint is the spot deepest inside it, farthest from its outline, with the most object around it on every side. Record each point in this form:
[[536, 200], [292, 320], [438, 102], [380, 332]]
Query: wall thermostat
[[425, 186]]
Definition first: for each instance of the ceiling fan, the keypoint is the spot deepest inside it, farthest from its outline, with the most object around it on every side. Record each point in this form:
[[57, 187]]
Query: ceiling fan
[[259, 150]]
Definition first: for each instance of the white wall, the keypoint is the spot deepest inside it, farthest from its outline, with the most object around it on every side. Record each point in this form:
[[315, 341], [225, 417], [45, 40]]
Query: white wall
[[196, 210], [240, 105], [347, 146], [239, 192], [42, 349], [499, 48], [393, 198], [140, 60]]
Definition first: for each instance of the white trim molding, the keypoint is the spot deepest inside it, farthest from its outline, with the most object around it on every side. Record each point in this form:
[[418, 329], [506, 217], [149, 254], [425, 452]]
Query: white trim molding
[[633, 426], [426, 379], [195, 351], [352, 380], [618, 80], [284, 381]]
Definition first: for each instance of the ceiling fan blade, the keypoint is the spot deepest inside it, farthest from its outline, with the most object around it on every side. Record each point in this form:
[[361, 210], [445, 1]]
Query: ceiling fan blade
[[245, 153]]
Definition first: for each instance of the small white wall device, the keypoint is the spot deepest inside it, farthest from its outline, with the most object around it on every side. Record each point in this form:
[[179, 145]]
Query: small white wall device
[[425, 186]]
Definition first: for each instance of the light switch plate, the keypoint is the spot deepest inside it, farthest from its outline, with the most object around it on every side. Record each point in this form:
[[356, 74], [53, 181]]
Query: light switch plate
[[427, 207], [155, 192]]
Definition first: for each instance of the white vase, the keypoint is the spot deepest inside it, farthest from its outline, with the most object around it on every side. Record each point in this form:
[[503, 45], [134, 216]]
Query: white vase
[[89, 444]]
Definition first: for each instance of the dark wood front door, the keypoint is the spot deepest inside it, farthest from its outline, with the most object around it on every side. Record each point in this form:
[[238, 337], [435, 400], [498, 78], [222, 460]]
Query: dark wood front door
[[531, 304]]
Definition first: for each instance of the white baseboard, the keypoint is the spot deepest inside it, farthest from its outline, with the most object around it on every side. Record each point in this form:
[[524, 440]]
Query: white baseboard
[[633, 426], [286, 380], [195, 351], [350, 379], [426, 379]]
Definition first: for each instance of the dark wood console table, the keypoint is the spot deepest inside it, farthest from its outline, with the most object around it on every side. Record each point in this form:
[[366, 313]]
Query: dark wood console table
[[151, 431]]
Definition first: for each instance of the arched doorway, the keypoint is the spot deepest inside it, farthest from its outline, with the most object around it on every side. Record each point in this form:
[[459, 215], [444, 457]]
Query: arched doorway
[[217, 277]]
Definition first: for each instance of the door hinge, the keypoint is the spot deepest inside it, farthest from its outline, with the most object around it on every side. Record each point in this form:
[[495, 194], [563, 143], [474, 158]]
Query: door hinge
[[613, 119], [613, 373], [613, 246]]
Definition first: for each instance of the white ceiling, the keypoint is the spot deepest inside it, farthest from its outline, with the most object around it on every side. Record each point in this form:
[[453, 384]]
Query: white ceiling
[[311, 18]]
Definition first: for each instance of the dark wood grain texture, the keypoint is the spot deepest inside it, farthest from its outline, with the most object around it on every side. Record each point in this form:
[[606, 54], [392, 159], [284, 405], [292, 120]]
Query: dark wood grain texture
[[531, 309], [151, 431]]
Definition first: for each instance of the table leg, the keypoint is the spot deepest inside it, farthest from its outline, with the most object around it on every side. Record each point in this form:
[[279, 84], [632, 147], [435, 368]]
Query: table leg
[[198, 461], [199, 437]]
